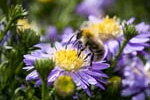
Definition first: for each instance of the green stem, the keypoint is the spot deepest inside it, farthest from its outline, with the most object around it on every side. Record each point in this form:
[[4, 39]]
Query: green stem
[[51, 92], [119, 53], [10, 21], [44, 86]]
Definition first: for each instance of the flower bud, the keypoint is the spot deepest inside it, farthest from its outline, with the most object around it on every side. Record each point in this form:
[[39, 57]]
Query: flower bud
[[23, 24], [28, 37], [64, 86], [114, 84], [44, 66], [129, 31]]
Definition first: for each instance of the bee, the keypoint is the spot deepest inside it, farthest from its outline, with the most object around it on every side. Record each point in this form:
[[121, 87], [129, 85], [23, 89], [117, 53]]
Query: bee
[[86, 38], [92, 43]]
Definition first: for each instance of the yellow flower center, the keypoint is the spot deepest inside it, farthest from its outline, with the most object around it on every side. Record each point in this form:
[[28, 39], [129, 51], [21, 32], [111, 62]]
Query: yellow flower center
[[107, 28], [68, 59]]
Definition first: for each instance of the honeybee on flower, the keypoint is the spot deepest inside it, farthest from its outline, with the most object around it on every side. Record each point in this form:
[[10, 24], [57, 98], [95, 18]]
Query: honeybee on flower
[[111, 34]]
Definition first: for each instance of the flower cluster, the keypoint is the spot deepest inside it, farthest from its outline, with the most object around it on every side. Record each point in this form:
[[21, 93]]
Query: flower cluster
[[120, 39]]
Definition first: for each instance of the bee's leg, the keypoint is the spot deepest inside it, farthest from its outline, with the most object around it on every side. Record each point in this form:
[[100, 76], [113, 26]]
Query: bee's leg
[[78, 45], [81, 49], [75, 43], [78, 48], [87, 56], [92, 58]]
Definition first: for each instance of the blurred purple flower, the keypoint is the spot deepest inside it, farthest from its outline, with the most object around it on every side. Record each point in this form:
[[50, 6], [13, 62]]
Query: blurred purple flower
[[67, 63], [107, 3], [51, 34], [89, 7], [66, 34], [93, 7], [5, 37], [136, 79]]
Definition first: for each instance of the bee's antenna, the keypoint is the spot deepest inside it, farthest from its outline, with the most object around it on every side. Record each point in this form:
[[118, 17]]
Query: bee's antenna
[[69, 40], [75, 33]]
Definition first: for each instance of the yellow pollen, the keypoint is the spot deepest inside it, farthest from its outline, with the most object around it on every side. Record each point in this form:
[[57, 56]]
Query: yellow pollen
[[68, 59], [109, 27]]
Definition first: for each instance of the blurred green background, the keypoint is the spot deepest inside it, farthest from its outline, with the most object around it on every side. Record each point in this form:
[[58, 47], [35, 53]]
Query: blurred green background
[[62, 13]]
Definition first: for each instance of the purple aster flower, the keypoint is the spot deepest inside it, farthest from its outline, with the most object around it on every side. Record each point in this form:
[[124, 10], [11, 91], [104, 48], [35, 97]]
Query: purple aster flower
[[90, 7], [137, 43], [136, 79], [51, 34], [125, 60], [140, 41], [67, 62], [93, 7], [67, 34], [110, 32]]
